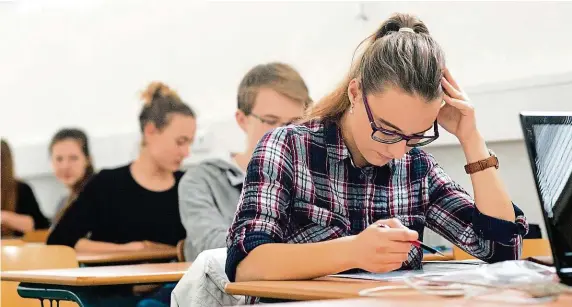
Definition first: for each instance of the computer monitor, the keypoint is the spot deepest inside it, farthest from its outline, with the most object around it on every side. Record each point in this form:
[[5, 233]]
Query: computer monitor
[[548, 138]]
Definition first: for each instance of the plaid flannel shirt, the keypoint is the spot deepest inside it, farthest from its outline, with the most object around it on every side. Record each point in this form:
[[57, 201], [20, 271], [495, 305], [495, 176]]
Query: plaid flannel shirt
[[301, 187]]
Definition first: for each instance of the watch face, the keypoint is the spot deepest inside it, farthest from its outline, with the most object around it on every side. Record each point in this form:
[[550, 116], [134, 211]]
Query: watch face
[[492, 153]]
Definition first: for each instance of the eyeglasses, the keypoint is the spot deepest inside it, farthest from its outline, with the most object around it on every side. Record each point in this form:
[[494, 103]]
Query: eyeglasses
[[271, 121], [391, 137]]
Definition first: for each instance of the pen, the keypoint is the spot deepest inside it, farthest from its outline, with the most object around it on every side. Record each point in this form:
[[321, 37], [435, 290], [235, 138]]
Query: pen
[[418, 243]]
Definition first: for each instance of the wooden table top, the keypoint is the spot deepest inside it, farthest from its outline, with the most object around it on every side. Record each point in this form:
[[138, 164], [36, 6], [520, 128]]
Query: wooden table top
[[103, 275], [421, 300], [127, 256], [327, 288], [317, 289]]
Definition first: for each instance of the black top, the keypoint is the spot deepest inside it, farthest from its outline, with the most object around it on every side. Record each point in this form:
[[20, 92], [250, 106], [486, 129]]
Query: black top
[[114, 208], [27, 204]]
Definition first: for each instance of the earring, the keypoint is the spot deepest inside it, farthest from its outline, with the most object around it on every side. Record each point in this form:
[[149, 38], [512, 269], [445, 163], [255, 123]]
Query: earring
[[352, 109]]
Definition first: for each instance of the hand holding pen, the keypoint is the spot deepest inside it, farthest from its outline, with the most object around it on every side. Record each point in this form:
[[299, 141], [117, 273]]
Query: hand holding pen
[[379, 248], [418, 243]]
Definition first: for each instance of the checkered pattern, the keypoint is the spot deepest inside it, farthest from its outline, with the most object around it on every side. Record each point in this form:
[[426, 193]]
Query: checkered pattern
[[301, 186]]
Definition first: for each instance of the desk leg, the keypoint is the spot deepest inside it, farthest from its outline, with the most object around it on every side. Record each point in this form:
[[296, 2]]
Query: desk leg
[[83, 296]]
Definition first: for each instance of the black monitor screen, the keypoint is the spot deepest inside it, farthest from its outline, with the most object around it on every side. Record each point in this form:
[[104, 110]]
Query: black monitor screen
[[549, 140]]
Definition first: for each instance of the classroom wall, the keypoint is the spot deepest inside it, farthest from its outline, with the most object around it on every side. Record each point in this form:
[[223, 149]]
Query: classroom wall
[[82, 63]]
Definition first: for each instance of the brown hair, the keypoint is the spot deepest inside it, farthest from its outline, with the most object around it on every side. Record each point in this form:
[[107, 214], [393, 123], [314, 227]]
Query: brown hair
[[9, 183], [279, 77], [81, 138], [413, 62], [160, 102]]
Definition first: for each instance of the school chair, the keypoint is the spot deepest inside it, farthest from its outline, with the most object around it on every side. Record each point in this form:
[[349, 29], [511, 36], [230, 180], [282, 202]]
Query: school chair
[[530, 248], [12, 242], [181, 251], [33, 257], [36, 236]]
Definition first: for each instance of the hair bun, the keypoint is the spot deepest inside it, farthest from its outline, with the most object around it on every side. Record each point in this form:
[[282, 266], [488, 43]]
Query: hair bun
[[398, 21], [157, 89]]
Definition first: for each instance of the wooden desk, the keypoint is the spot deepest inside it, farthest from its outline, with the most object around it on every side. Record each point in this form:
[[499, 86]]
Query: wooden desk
[[103, 275], [91, 286], [130, 256], [339, 288], [318, 289], [425, 301]]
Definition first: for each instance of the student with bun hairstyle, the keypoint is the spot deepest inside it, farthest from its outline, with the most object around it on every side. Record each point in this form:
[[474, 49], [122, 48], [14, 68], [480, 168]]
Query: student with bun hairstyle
[[316, 195], [20, 210], [136, 205], [72, 164]]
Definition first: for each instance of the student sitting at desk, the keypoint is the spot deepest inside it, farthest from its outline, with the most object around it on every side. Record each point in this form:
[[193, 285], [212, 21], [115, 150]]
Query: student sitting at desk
[[128, 207], [72, 165], [269, 96], [20, 210], [316, 195]]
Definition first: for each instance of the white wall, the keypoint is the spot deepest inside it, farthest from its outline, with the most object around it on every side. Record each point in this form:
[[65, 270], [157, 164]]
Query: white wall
[[82, 63]]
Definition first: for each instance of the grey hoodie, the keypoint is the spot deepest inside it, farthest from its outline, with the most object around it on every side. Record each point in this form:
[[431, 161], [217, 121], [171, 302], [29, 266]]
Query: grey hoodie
[[208, 197]]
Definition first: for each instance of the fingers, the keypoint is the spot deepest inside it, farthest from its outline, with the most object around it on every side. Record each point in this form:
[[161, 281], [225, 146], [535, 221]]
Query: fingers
[[393, 258], [396, 247], [447, 75], [395, 230], [451, 90], [401, 235], [461, 105], [392, 223]]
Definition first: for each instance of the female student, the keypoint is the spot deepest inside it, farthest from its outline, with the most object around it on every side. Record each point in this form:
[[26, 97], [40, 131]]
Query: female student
[[72, 165], [128, 207], [20, 210], [332, 184], [270, 95]]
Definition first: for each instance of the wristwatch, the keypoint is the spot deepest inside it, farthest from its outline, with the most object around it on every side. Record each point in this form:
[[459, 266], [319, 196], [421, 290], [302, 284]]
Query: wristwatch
[[481, 165]]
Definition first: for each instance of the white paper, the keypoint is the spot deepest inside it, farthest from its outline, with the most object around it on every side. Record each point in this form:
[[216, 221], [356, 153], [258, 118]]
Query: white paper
[[428, 268]]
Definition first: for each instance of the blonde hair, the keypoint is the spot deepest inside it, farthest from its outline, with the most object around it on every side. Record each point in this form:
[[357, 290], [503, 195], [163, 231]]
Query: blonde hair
[[411, 60], [279, 77], [159, 101]]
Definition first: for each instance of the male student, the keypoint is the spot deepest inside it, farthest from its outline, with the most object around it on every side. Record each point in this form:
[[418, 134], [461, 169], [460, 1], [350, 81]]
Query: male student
[[269, 96]]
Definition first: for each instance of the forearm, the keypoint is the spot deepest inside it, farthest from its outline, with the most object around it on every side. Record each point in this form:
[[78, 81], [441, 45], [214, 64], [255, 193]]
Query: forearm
[[86, 245], [279, 261], [491, 196], [18, 222]]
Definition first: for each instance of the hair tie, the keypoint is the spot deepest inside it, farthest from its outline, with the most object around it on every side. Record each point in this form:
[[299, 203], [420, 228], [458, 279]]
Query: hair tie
[[406, 29]]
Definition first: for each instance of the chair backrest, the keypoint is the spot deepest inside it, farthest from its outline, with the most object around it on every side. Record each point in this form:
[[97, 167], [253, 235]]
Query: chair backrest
[[33, 257], [36, 236], [530, 248], [181, 251]]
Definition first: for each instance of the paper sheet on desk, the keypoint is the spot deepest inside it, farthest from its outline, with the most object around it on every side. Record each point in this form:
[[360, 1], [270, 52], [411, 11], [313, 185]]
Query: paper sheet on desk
[[428, 268]]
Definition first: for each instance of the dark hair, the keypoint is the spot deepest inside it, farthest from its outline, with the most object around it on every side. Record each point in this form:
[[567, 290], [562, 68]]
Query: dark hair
[[280, 77], [9, 183], [413, 62], [159, 102]]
